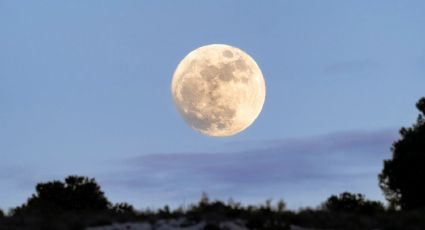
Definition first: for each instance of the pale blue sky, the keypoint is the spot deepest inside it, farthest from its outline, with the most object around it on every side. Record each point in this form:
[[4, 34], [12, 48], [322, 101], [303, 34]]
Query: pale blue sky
[[85, 89]]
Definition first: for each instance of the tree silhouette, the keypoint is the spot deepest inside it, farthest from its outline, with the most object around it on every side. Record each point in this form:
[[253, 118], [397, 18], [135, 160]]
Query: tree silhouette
[[76, 194], [403, 177], [123, 208], [349, 202]]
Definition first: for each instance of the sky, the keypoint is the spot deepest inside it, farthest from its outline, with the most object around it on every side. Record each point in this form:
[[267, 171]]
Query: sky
[[85, 90]]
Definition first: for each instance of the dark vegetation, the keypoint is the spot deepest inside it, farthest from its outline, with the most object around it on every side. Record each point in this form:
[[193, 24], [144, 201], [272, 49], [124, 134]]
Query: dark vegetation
[[76, 203], [79, 202], [403, 176]]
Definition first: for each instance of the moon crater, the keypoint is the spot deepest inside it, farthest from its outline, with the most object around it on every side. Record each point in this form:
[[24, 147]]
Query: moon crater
[[219, 90]]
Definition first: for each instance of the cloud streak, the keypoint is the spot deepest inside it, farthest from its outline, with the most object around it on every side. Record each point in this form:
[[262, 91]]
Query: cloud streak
[[294, 168]]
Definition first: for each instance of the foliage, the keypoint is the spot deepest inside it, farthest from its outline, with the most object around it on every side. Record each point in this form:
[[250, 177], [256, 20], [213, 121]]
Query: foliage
[[346, 211], [75, 194], [123, 208], [403, 177], [349, 202]]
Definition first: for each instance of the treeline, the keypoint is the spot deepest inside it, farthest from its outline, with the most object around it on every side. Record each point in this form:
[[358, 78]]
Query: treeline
[[78, 203]]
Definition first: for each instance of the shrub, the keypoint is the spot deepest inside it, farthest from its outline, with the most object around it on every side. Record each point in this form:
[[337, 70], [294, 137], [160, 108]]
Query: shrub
[[349, 202]]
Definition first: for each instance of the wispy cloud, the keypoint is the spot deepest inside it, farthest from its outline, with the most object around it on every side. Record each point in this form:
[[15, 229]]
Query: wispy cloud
[[299, 170]]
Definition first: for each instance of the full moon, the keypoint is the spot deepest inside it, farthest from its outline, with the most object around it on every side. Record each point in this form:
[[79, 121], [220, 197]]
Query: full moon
[[218, 89]]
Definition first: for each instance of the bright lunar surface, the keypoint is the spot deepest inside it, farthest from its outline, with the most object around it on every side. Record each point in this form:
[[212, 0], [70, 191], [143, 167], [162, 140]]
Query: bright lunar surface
[[218, 89]]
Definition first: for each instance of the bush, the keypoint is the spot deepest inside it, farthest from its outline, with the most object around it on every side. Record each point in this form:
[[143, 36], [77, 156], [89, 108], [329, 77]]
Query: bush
[[124, 208], [349, 202], [75, 194]]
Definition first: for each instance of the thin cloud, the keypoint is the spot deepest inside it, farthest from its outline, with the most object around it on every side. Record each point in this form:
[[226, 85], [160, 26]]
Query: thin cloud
[[347, 158]]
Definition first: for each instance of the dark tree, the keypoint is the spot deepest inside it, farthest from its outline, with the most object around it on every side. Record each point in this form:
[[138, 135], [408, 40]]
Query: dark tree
[[76, 194], [124, 208], [349, 202], [403, 177]]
